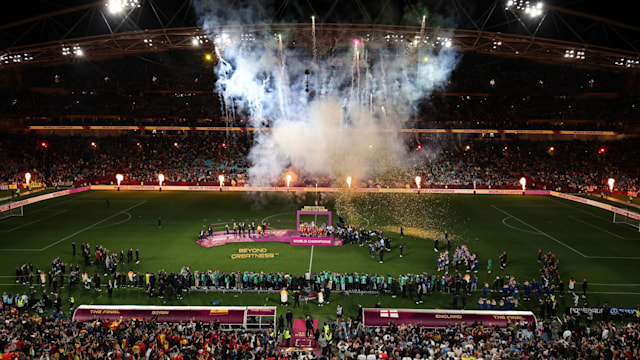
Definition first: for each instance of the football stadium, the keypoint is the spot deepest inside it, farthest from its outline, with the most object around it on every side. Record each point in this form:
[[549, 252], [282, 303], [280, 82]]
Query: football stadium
[[319, 180]]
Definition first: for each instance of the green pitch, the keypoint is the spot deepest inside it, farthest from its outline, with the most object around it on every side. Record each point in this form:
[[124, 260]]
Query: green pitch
[[584, 239]]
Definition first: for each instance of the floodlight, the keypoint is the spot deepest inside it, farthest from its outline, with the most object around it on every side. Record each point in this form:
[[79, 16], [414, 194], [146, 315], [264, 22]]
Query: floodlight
[[115, 6], [627, 62], [525, 6], [574, 54], [119, 6]]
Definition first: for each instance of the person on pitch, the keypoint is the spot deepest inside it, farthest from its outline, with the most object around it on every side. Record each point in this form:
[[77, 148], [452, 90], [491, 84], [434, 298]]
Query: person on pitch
[[284, 297]]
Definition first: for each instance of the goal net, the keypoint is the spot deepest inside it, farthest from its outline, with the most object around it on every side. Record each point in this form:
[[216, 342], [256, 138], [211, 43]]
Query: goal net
[[627, 217], [11, 209]]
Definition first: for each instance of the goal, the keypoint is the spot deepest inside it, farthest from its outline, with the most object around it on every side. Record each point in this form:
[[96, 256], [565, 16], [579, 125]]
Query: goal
[[627, 217], [11, 209]]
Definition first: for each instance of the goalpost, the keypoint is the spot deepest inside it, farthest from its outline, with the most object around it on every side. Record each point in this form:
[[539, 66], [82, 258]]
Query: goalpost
[[11, 209], [627, 217]]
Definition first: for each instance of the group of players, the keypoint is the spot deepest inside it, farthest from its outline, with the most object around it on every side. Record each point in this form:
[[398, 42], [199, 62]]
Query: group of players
[[312, 229], [238, 230], [461, 257]]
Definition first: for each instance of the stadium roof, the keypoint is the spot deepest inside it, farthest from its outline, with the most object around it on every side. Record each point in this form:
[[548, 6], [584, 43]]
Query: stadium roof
[[576, 32]]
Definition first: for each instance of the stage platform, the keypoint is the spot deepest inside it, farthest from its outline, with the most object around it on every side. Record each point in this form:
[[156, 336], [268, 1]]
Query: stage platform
[[287, 236]]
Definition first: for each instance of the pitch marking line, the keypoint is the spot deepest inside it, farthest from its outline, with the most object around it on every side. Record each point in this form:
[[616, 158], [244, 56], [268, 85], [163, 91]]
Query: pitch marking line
[[270, 216], [116, 223], [79, 231], [598, 284], [92, 226], [592, 214], [541, 232], [561, 202], [504, 222], [48, 206], [597, 227], [34, 221]]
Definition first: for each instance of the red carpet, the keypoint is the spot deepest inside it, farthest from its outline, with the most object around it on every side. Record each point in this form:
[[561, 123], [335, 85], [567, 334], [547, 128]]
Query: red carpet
[[299, 342]]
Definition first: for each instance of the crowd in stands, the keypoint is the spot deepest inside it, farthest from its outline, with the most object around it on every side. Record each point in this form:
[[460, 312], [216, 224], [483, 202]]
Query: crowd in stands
[[576, 165], [440, 160], [139, 159], [36, 336]]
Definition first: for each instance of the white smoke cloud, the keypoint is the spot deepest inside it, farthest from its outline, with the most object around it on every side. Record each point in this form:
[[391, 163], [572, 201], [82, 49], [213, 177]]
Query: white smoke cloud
[[347, 121]]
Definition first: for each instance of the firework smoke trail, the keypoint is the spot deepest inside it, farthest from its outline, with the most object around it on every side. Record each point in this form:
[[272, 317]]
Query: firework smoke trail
[[283, 76], [357, 74], [371, 106], [332, 130], [313, 34], [354, 67]]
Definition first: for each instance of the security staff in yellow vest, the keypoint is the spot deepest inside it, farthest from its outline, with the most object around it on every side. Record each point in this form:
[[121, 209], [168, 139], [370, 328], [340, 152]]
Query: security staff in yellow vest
[[329, 343], [287, 337]]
